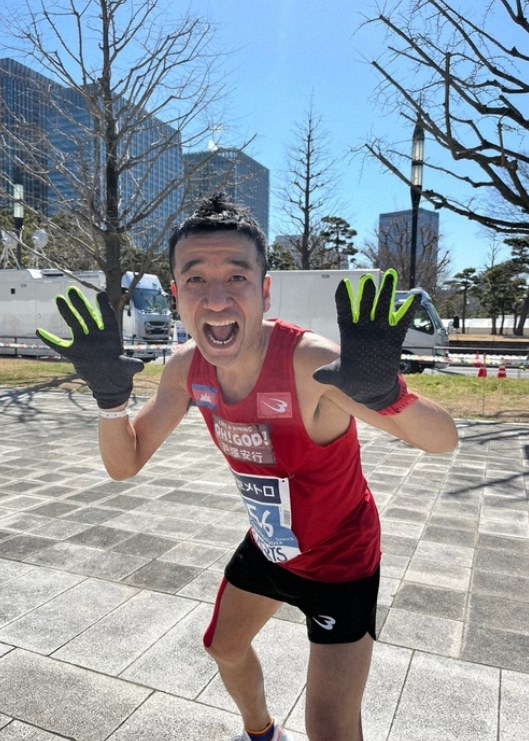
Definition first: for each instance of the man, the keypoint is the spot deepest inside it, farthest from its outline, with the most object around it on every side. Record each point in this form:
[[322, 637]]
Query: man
[[280, 403]]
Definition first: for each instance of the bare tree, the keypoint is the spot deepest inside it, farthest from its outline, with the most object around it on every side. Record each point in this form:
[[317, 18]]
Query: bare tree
[[463, 74], [122, 86], [307, 190]]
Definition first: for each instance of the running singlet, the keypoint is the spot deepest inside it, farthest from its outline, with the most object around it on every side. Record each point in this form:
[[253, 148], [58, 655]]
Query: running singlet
[[309, 506]]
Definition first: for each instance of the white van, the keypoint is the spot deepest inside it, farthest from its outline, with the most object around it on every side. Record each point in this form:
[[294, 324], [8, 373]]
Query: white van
[[306, 298], [27, 301]]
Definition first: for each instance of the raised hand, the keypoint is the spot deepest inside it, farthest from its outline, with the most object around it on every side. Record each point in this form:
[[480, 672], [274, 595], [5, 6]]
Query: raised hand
[[96, 348], [371, 336]]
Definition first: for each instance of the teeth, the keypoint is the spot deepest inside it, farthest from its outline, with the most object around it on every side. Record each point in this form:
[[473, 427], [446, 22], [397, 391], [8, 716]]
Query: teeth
[[212, 326]]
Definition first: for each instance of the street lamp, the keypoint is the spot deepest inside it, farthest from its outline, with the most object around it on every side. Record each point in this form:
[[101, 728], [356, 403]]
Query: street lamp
[[40, 240], [417, 163], [18, 217]]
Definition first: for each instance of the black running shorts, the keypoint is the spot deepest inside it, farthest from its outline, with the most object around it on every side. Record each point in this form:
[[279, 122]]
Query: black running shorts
[[335, 612]]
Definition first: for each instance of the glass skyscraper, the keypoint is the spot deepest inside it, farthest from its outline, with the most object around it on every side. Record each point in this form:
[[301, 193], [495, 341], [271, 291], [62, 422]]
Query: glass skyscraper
[[240, 177], [58, 154]]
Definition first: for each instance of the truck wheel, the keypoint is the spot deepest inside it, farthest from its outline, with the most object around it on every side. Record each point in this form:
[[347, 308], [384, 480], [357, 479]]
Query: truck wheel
[[409, 366]]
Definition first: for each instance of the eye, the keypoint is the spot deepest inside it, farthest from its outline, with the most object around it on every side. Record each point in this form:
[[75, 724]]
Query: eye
[[238, 278], [194, 279]]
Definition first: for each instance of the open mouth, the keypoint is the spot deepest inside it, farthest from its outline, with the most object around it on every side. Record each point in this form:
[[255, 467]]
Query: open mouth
[[221, 333]]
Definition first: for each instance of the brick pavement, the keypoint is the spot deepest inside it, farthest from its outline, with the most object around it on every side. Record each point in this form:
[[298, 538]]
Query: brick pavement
[[106, 587]]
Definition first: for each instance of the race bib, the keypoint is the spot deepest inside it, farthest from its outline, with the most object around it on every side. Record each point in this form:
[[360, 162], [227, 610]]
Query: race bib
[[267, 501]]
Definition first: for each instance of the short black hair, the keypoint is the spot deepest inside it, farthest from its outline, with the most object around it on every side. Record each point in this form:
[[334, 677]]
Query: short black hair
[[216, 213]]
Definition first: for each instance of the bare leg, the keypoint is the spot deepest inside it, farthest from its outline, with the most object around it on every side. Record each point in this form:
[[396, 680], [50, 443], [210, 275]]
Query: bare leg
[[241, 615], [336, 680]]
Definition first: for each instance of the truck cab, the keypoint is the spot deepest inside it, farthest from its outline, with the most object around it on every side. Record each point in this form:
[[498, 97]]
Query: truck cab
[[147, 317], [426, 341]]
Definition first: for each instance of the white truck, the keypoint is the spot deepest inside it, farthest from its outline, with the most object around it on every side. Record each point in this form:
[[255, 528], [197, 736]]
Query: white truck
[[27, 301], [306, 298]]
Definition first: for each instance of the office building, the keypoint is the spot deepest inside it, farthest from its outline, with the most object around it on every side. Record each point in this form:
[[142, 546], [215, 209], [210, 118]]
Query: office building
[[394, 235], [24, 113], [58, 155], [240, 177]]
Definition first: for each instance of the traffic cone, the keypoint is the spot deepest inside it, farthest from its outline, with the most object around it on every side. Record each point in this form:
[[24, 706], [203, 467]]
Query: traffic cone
[[502, 373], [482, 372]]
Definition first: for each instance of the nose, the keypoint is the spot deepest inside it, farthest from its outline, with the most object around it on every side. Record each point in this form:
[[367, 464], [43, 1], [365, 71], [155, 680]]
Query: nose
[[217, 297]]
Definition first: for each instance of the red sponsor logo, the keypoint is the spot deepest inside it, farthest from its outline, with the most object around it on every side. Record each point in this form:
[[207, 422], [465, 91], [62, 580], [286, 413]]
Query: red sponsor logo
[[274, 405]]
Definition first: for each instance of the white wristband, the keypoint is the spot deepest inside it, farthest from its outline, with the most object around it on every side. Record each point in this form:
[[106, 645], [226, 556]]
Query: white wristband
[[113, 415]]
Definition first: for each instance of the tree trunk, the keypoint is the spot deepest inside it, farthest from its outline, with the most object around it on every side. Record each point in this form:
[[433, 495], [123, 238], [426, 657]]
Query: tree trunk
[[524, 311]]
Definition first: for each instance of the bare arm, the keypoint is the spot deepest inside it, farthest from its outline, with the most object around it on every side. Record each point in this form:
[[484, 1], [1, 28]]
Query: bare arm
[[125, 444], [424, 424]]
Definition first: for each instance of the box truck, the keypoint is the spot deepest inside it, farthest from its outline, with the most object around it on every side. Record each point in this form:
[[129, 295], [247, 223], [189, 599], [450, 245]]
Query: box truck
[[27, 301], [306, 298]]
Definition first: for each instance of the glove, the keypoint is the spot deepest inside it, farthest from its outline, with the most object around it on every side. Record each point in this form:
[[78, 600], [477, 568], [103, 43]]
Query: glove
[[96, 349], [371, 336]]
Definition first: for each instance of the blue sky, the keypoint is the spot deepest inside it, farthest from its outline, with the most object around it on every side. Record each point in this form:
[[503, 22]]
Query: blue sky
[[287, 53]]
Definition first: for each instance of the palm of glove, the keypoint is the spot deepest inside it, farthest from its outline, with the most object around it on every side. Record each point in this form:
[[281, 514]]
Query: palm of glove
[[371, 336], [96, 349]]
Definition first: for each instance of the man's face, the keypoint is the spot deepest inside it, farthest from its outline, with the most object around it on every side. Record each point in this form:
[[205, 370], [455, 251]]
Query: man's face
[[220, 294]]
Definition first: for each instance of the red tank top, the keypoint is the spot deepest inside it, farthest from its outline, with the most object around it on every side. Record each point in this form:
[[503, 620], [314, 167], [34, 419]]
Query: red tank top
[[309, 505]]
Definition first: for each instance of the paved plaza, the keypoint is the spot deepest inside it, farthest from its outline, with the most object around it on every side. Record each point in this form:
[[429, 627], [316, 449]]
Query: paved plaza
[[106, 587]]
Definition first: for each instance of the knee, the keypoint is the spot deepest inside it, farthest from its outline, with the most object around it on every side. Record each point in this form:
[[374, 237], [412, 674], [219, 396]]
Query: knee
[[226, 650]]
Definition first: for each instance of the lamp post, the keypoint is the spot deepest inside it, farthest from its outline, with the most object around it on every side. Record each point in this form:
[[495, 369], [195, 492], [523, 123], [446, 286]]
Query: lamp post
[[40, 240], [417, 163], [18, 218]]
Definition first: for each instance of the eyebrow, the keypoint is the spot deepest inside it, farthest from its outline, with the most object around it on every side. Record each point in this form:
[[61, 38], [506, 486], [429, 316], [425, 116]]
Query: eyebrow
[[236, 261]]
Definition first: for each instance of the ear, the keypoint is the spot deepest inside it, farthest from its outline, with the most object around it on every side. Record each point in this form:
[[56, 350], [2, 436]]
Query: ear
[[266, 292]]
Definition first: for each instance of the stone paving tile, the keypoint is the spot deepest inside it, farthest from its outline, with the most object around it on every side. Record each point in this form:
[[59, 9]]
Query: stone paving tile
[[99, 536], [16, 731], [514, 707], [163, 577], [193, 554], [443, 553], [65, 699], [110, 565], [24, 522], [431, 601], [50, 626], [436, 699], [501, 585], [116, 640], [449, 535], [11, 570], [145, 545], [61, 555], [423, 632], [32, 589], [203, 588], [495, 647], [173, 664], [511, 614], [167, 718], [60, 529], [92, 516], [439, 574]]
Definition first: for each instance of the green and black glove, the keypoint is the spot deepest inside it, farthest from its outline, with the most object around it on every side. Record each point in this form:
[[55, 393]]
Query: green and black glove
[[371, 336], [96, 349]]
